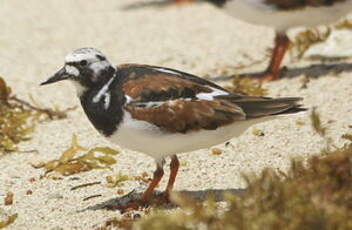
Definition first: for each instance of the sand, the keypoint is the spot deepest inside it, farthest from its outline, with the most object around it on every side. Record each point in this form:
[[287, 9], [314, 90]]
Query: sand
[[36, 35]]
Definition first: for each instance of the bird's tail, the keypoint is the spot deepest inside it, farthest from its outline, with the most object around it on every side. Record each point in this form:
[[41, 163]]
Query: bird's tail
[[264, 106]]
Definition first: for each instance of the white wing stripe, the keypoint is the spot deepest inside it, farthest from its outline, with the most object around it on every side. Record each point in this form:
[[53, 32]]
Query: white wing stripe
[[167, 71], [210, 96]]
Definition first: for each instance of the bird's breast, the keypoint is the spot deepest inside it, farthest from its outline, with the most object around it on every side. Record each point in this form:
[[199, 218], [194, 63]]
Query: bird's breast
[[103, 111]]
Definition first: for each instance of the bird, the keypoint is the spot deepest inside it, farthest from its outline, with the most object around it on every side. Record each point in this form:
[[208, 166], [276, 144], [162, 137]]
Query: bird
[[161, 111], [282, 15]]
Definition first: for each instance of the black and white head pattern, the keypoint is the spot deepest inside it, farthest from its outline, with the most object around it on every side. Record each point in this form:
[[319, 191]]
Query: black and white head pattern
[[88, 67]]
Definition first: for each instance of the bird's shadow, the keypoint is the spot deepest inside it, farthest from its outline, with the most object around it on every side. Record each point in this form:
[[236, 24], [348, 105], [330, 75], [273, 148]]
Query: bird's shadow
[[200, 195]]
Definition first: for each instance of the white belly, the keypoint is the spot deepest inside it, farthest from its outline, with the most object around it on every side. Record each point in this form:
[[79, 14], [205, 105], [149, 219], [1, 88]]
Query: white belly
[[142, 137], [255, 12]]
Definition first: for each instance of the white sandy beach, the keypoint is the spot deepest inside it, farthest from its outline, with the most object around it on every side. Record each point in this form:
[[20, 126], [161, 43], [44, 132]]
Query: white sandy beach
[[197, 38]]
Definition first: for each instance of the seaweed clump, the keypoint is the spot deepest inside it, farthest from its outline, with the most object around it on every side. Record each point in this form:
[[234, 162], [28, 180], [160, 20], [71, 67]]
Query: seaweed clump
[[304, 40], [117, 180], [247, 86], [69, 163], [17, 118]]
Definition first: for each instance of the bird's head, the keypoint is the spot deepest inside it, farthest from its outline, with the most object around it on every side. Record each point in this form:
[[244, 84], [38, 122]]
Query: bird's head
[[86, 68]]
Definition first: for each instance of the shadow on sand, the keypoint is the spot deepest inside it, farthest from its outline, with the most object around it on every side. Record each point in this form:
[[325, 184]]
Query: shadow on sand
[[201, 195]]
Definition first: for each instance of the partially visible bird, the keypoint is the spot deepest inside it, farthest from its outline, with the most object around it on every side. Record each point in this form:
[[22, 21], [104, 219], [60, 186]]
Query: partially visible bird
[[160, 111], [282, 15]]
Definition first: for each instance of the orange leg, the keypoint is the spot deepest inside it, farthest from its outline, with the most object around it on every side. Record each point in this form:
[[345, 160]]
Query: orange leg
[[135, 205], [158, 174], [174, 165], [281, 45]]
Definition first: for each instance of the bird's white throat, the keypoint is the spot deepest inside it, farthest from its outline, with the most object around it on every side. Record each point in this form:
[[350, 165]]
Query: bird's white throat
[[80, 89]]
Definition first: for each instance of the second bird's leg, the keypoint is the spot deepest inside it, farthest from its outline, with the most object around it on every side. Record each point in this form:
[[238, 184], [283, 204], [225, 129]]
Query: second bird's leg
[[272, 72], [282, 43]]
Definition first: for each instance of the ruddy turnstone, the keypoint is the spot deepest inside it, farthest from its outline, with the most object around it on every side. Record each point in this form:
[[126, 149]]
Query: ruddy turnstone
[[160, 111], [283, 15]]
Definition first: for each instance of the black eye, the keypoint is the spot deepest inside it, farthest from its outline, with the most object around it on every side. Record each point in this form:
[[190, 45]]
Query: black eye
[[83, 63]]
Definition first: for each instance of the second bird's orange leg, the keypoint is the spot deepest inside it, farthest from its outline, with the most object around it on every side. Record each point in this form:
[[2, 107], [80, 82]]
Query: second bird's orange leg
[[281, 45]]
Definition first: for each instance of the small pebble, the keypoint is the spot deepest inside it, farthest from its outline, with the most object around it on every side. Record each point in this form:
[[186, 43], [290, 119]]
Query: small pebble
[[216, 151], [8, 198], [258, 132]]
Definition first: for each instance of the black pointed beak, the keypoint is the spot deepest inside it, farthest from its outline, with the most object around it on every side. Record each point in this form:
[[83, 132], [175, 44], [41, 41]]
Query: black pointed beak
[[59, 76]]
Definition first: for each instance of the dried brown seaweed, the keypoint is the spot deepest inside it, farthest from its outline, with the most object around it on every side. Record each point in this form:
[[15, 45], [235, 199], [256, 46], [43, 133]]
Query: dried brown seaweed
[[317, 124], [92, 197], [344, 24], [69, 163], [9, 220], [18, 117], [216, 151], [116, 180], [85, 185], [247, 86], [304, 40]]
